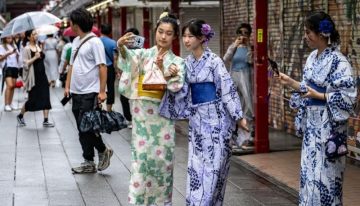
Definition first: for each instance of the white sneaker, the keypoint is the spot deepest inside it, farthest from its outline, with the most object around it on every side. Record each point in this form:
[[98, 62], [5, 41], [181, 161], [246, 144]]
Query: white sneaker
[[14, 107], [129, 125], [7, 108]]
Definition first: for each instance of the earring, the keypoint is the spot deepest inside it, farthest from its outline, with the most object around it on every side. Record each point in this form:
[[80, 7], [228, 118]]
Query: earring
[[329, 41]]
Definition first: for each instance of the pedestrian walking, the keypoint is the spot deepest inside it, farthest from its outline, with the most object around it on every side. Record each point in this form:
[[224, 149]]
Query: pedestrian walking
[[125, 103], [86, 82], [51, 59], [153, 137], [36, 82], [210, 101], [110, 47], [324, 98], [240, 55], [10, 55]]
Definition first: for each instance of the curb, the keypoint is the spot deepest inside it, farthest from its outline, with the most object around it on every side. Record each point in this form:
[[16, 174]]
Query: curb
[[294, 193]]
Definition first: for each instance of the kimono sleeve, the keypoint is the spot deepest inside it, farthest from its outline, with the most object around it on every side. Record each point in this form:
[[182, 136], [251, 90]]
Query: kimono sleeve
[[227, 90], [176, 83], [129, 65], [341, 91]]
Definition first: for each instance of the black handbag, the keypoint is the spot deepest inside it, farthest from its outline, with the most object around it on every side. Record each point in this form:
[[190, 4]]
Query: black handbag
[[336, 145]]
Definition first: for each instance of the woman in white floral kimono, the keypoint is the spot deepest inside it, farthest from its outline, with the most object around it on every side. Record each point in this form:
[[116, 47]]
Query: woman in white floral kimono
[[325, 98], [153, 137]]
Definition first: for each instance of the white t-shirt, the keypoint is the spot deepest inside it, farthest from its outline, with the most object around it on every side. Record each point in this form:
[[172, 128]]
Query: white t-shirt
[[12, 60], [85, 68]]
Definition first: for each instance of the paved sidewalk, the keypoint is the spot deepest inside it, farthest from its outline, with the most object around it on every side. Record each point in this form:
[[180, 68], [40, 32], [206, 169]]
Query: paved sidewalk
[[36, 162], [283, 169]]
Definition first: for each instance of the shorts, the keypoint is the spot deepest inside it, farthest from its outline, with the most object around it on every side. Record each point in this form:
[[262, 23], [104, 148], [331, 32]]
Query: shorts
[[12, 72]]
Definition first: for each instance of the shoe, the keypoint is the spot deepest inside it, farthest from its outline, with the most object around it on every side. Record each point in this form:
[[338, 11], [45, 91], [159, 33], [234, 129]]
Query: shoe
[[248, 145], [14, 107], [85, 167], [21, 121], [129, 124], [7, 108], [48, 124], [104, 159]]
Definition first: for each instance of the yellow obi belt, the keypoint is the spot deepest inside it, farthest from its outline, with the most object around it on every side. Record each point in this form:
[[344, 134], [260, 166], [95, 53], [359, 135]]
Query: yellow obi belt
[[148, 93]]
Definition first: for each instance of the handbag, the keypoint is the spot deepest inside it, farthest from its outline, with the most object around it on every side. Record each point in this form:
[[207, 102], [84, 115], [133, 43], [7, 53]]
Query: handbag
[[335, 145], [154, 80]]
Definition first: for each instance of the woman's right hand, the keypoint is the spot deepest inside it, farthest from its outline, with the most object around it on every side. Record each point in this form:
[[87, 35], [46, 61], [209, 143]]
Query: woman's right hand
[[128, 38], [37, 55], [284, 79]]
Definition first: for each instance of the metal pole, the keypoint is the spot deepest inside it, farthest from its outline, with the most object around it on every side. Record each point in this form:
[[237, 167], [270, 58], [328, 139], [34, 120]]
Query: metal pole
[[261, 77]]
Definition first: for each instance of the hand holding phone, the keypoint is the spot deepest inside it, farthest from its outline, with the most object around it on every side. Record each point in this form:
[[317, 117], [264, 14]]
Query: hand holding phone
[[138, 42], [65, 100]]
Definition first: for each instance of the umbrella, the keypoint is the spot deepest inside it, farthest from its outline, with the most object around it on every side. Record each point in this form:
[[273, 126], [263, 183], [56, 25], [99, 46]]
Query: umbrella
[[101, 121], [70, 32], [28, 21], [47, 29]]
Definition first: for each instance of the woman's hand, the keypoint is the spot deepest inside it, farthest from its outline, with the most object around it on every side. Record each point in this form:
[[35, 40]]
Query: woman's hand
[[160, 58], [128, 38], [312, 93], [243, 124], [284, 79], [37, 55]]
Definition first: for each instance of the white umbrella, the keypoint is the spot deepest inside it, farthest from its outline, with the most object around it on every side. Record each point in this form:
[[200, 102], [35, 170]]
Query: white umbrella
[[47, 29], [28, 21]]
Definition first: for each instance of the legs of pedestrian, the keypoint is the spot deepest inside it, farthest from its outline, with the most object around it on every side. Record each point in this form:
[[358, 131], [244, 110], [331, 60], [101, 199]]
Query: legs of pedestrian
[[46, 122], [126, 109], [89, 140]]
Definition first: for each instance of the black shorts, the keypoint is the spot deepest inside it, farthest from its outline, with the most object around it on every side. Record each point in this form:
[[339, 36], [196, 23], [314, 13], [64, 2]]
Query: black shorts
[[12, 72]]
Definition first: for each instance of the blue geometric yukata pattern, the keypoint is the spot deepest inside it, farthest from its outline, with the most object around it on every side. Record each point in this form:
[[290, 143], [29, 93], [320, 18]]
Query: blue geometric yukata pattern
[[321, 178], [210, 127]]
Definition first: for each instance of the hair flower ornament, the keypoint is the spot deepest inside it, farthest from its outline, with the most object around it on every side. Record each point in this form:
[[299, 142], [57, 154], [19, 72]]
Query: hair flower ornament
[[325, 28], [207, 32]]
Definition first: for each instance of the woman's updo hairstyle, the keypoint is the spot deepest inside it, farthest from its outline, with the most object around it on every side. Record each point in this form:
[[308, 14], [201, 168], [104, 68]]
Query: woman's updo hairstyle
[[199, 28], [169, 18], [321, 23]]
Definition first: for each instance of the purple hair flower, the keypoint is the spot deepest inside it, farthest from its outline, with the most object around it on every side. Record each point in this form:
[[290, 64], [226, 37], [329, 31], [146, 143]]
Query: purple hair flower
[[207, 32], [326, 28]]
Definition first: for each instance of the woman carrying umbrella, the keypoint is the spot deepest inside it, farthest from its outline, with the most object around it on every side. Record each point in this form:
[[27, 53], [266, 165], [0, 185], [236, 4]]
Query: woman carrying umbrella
[[9, 54], [36, 82]]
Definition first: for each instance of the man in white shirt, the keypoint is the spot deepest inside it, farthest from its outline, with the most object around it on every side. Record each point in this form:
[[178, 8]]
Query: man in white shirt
[[86, 81]]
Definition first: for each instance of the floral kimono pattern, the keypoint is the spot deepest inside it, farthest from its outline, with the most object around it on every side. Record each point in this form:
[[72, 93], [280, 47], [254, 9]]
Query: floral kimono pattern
[[153, 136], [321, 178], [210, 128]]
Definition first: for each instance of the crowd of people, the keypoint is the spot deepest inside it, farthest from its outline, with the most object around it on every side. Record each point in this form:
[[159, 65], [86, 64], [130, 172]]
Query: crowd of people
[[157, 87]]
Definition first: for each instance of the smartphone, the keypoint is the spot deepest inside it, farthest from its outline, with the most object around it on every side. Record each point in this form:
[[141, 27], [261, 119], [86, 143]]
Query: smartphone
[[298, 92], [65, 100], [138, 42], [274, 66]]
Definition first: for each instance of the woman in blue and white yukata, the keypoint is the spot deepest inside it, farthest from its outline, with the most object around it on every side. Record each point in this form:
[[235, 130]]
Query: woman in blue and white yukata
[[210, 101], [324, 108]]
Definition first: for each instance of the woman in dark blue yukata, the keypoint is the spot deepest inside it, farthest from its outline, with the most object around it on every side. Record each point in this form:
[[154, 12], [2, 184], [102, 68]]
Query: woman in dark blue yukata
[[325, 104], [210, 101]]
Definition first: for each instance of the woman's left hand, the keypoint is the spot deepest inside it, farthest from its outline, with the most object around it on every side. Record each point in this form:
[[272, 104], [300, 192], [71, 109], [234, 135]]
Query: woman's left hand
[[312, 93], [173, 70]]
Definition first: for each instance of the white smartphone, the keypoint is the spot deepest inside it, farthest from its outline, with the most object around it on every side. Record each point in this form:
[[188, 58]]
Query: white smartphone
[[138, 42]]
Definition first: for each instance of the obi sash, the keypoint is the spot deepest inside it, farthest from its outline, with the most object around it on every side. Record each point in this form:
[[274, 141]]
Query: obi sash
[[203, 92], [317, 102], [147, 93]]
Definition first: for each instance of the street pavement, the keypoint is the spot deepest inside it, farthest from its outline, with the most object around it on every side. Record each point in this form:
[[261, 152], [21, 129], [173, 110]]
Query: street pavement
[[36, 165]]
